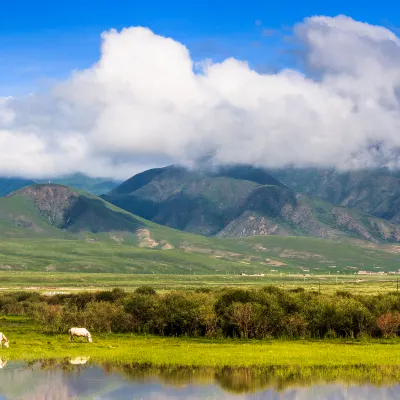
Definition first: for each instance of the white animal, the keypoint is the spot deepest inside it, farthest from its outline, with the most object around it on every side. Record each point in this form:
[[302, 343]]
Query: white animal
[[4, 340], [80, 332], [2, 363], [79, 360]]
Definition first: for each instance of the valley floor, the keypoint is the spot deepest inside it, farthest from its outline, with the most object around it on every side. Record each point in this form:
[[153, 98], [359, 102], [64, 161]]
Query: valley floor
[[63, 282]]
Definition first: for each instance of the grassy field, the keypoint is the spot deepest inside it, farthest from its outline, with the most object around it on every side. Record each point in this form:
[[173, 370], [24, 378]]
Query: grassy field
[[71, 282], [191, 254], [27, 344]]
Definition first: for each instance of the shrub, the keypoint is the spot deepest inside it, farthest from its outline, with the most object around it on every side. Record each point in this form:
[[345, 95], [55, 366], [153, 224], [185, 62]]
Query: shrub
[[147, 290], [389, 324]]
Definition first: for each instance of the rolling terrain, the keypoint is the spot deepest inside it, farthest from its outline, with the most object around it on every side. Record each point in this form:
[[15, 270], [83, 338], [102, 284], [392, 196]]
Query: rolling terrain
[[57, 228]]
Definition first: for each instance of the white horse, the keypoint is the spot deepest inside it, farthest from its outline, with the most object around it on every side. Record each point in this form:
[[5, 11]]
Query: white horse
[[80, 332], [4, 340]]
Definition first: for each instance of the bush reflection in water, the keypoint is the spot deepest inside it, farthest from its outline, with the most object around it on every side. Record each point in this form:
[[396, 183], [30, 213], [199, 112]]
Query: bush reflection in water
[[239, 379]]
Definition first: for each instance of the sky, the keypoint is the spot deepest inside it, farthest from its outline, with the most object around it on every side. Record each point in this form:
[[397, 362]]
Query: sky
[[112, 88], [45, 40]]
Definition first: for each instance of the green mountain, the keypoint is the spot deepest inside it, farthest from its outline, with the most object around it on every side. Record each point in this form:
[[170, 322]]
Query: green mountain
[[8, 185], [374, 192], [240, 201], [68, 209], [83, 182]]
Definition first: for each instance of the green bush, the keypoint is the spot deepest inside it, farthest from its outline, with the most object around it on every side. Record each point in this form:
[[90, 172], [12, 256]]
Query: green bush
[[257, 313]]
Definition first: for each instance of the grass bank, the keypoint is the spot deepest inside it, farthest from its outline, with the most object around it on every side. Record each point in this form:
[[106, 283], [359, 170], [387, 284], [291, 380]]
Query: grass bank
[[196, 352], [27, 344]]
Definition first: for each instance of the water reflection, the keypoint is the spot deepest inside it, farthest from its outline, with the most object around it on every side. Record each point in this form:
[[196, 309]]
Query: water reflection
[[79, 378], [79, 360]]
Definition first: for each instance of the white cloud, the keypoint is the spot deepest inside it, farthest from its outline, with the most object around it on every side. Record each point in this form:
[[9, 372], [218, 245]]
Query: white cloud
[[142, 105]]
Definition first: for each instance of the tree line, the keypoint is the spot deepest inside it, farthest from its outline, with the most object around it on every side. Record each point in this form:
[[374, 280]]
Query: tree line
[[269, 312]]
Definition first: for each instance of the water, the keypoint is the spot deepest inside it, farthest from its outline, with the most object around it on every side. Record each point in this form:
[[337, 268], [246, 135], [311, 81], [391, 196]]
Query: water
[[82, 379]]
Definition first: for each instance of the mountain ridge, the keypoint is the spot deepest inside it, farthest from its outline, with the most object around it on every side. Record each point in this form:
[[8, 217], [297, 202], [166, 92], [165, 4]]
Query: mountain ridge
[[240, 201], [375, 192]]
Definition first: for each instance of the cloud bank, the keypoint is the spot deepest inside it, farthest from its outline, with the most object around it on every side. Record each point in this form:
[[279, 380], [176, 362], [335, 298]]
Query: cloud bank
[[145, 103]]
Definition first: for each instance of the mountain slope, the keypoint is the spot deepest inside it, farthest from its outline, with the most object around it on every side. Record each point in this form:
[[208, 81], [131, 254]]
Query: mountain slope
[[375, 192], [57, 211], [238, 202], [64, 208]]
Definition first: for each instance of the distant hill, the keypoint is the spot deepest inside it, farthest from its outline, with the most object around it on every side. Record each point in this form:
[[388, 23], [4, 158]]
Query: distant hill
[[374, 192], [95, 186], [64, 208], [240, 201], [8, 185], [79, 181]]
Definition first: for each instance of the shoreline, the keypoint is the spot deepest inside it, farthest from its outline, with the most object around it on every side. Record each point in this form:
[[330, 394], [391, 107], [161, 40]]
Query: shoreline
[[126, 348]]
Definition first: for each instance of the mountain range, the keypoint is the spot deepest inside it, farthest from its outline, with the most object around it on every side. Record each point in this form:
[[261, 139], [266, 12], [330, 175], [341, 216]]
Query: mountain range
[[242, 201], [375, 192]]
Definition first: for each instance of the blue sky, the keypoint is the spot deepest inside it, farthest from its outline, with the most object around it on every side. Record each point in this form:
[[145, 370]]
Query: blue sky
[[43, 41]]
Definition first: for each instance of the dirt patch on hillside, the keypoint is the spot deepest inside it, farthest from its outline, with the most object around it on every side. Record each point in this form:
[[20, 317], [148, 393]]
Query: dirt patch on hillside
[[53, 201], [117, 238], [165, 245], [299, 254], [194, 249], [275, 263], [145, 240]]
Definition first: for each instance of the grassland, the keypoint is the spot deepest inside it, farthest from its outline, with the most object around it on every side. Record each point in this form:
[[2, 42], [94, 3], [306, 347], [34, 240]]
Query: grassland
[[193, 254], [27, 344], [44, 282]]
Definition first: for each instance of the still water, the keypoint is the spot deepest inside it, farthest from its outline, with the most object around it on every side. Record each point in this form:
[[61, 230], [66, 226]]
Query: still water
[[82, 379]]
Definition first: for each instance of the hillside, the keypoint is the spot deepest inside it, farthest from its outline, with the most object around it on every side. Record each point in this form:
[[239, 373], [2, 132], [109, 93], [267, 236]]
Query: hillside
[[375, 192], [56, 228], [59, 212], [67, 209], [239, 202]]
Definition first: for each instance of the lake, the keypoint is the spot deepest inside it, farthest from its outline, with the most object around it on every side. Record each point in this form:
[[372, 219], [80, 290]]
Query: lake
[[79, 378]]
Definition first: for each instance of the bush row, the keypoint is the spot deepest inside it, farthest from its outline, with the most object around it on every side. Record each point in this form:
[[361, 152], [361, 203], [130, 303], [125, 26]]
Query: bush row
[[257, 313]]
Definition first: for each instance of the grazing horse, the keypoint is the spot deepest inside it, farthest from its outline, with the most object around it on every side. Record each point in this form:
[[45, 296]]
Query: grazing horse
[[4, 340], [80, 332]]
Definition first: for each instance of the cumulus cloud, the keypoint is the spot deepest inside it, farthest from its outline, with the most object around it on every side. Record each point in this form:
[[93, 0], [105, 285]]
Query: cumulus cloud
[[145, 103]]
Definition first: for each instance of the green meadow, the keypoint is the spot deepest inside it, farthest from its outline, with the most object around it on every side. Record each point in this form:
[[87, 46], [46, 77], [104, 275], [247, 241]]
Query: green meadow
[[185, 254], [27, 344]]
